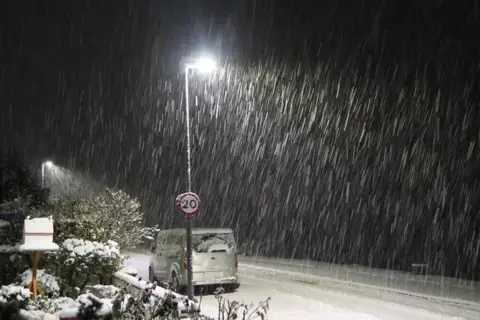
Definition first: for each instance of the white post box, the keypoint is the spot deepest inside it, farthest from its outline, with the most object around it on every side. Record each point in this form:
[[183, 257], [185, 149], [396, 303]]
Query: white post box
[[38, 235]]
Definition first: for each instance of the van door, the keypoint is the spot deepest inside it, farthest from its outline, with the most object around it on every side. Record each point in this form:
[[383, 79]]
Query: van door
[[174, 246], [160, 264]]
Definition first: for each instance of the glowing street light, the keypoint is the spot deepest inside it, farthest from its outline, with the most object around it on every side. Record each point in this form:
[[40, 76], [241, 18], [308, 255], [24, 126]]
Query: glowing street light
[[204, 65], [46, 164]]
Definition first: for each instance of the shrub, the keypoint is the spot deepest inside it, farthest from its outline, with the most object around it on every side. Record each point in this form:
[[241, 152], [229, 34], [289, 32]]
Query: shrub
[[80, 262], [148, 307], [103, 291], [114, 215], [51, 305], [48, 283], [15, 293], [11, 264], [234, 310], [149, 237]]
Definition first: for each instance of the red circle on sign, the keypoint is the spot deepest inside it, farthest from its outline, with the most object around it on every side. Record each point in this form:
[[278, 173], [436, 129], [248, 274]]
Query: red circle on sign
[[197, 199]]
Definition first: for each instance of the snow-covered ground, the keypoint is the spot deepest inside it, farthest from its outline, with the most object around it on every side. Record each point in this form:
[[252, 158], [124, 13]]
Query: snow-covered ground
[[296, 300], [439, 287]]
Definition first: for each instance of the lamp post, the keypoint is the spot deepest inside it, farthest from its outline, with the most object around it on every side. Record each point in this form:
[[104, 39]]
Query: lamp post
[[205, 66], [46, 164]]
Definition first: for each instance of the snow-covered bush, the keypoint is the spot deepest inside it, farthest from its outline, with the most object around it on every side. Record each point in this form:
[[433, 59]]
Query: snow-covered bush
[[147, 306], [48, 283], [150, 236], [126, 307], [89, 307], [103, 291], [15, 293], [151, 233], [51, 305], [14, 297], [113, 215], [80, 262], [234, 310]]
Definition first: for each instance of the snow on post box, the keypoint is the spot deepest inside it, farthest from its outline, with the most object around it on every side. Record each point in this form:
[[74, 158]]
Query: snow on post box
[[38, 235]]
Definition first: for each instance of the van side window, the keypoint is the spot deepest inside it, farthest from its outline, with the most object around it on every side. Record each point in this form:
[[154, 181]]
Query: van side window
[[160, 242], [174, 240]]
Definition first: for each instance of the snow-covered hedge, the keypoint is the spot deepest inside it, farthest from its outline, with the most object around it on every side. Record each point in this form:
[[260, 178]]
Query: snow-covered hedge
[[16, 293], [49, 303], [147, 306], [81, 262], [109, 302], [113, 215]]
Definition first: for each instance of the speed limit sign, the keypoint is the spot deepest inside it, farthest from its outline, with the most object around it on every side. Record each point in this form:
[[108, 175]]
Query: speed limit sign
[[189, 203]]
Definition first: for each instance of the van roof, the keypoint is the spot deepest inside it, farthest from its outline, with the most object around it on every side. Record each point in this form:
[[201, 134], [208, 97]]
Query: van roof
[[4, 223], [201, 230]]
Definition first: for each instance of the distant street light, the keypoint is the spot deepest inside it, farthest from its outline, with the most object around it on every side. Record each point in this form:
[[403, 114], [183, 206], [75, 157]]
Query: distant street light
[[46, 164], [204, 65]]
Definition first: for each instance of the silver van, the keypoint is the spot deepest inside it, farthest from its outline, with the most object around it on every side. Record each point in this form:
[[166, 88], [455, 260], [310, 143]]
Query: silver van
[[214, 258]]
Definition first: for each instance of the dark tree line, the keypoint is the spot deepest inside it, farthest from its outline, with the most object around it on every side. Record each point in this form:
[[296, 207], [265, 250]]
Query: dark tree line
[[17, 180]]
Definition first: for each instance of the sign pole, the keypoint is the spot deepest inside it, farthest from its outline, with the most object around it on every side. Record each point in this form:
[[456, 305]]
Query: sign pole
[[189, 258], [188, 219], [189, 204]]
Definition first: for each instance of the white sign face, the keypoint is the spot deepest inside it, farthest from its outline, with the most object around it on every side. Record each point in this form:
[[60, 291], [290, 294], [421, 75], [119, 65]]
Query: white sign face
[[189, 203]]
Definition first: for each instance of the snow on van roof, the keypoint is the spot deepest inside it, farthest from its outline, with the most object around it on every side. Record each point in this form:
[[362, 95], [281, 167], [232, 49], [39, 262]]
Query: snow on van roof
[[4, 223], [201, 230], [211, 230]]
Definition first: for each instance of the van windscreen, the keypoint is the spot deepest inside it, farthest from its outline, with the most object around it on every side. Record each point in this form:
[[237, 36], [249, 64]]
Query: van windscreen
[[213, 242]]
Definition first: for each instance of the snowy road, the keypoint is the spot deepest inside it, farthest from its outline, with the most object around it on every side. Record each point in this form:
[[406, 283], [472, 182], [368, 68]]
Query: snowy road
[[294, 300]]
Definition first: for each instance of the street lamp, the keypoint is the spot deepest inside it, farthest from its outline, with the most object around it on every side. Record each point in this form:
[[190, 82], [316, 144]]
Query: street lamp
[[204, 65], [46, 164]]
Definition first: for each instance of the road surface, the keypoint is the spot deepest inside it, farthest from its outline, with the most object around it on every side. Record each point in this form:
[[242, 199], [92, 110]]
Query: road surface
[[292, 300]]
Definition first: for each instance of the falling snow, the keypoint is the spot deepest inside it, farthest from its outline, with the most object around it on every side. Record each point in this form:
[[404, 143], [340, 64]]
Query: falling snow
[[339, 132]]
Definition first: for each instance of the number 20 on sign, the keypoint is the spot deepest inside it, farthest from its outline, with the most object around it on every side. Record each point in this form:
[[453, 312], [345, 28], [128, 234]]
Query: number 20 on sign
[[189, 203]]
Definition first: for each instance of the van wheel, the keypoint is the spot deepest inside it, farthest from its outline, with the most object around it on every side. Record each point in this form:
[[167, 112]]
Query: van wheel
[[231, 287], [174, 283], [151, 277]]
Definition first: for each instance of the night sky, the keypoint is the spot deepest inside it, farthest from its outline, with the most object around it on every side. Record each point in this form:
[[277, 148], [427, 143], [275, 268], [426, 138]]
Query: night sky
[[332, 129]]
